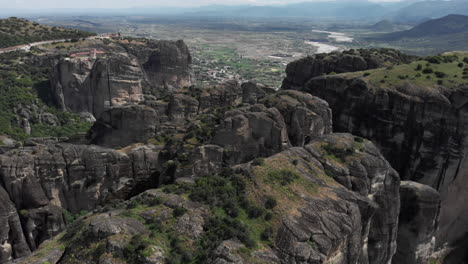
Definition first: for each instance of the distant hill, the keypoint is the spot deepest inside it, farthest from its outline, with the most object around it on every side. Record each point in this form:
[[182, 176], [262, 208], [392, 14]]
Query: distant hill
[[328, 9], [385, 26], [425, 10], [428, 38], [448, 25], [16, 31]]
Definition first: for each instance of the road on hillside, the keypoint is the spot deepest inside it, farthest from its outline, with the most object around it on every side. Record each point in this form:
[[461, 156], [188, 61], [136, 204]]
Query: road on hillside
[[27, 47]]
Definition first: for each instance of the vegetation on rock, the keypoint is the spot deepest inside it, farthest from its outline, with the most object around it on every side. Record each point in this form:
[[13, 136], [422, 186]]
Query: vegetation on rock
[[17, 31]]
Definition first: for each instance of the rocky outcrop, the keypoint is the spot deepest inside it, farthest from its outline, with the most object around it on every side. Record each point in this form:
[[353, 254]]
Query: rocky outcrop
[[421, 131], [330, 208], [121, 126], [91, 86], [417, 223], [13, 243], [344, 211], [358, 165], [70, 87], [165, 63], [300, 71], [249, 132], [43, 181], [306, 116], [120, 77]]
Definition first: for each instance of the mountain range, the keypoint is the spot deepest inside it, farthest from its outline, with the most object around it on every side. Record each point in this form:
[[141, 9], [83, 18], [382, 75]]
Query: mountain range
[[402, 11], [447, 25]]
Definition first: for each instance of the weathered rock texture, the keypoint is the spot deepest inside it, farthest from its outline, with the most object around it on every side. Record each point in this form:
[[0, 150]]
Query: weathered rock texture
[[165, 63], [254, 131], [120, 77], [338, 210], [13, 243], [300, 71], [417, 223], [305, 115], [121, 126], [421, 131], [40, 182]]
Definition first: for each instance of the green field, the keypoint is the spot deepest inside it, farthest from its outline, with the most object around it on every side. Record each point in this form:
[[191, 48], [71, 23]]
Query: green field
[[216, 57]]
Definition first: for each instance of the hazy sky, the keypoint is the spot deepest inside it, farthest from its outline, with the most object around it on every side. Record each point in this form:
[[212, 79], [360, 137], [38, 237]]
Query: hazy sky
[[35, 4]]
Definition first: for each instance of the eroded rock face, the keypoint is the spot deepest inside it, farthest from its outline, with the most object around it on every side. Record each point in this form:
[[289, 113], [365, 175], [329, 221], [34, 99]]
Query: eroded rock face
[[165, 63], [421, 131], [92, 86], [121, 126], [417, 223], [120, 77], [300, 71], [341, 209], [306, 116], [13, 243], [43, 180], [253, 131], [352, 223]]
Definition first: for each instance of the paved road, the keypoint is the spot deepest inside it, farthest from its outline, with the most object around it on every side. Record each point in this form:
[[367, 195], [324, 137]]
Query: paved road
[[27, 47]]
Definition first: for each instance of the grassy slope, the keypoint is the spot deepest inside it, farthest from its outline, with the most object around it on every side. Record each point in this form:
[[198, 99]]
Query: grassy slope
[[408, 74], [17, 31]]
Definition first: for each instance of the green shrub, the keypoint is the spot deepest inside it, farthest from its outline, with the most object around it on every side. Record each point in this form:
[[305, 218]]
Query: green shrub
[[268, 216], [258, 162], [255, 212], [358, 139], [267, 234], [434, 59], [428, 70], [339, 153], [270, 203], [282, 176], [135, 248], [440, 74], [179, 211], [419, 67]]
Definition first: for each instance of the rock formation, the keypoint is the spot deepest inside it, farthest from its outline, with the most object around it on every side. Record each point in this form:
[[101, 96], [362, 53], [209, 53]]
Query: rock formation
[[165, 63], [120, 77], [420, 132], [417, 223], [40, 182], [340, 211], [234, 173], [300, 71], [121, 126]]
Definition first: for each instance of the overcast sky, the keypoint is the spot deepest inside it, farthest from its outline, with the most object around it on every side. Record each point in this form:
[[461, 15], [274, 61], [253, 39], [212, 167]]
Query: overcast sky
[[39, 4]]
